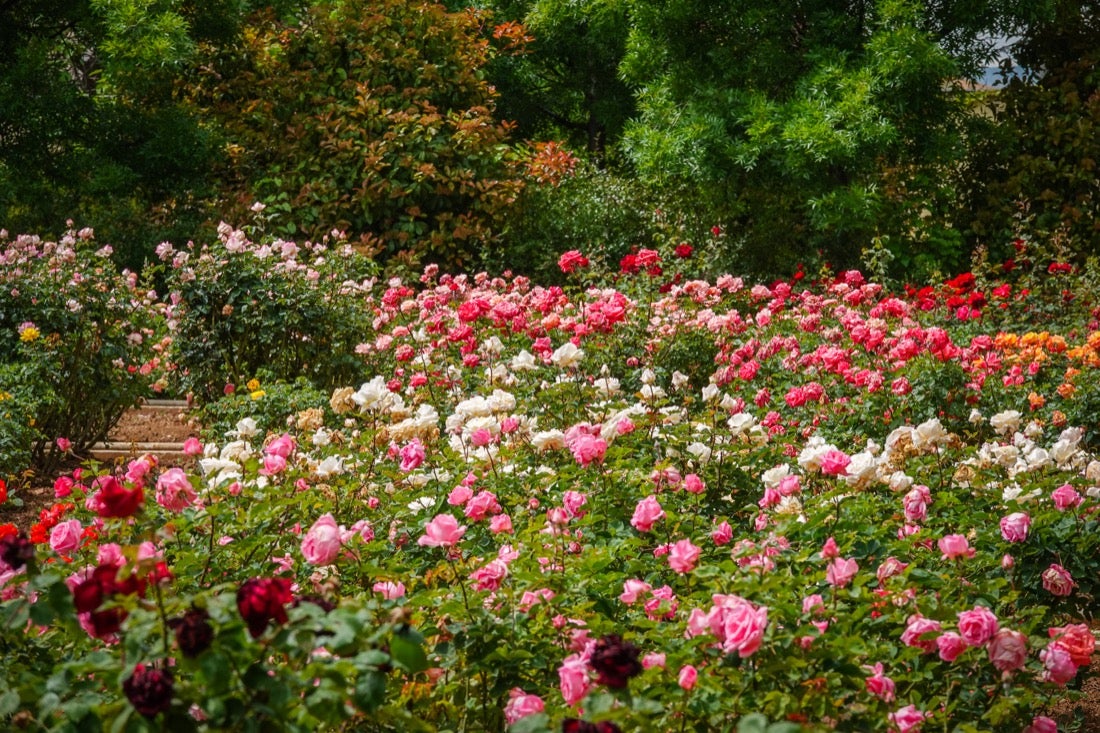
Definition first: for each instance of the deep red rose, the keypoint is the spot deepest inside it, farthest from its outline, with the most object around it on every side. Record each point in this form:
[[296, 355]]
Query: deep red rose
[[194, 634], [615, 661], [114, 500], [16, 550], [149, 690], [573, 725], [262, 600]]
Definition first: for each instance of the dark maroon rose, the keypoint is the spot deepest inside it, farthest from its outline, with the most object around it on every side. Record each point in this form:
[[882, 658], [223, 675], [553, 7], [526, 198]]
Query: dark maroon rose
[[16, 550], [615, 661], [573, 725], [149, 690], [194, 634], [262, 600], [115, 500], [101, 587]]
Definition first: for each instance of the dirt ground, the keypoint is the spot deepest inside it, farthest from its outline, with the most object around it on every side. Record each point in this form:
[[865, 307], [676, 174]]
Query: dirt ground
[[161, 425]]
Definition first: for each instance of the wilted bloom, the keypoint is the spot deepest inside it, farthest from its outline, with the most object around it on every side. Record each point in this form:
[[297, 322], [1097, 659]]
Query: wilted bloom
[[262, 600], [615, 661], [149, 690], [442, 531], [1057, 580]]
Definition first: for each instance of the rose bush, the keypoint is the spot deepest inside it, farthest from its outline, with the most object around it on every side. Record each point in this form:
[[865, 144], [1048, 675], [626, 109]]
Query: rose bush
[[527, 517]]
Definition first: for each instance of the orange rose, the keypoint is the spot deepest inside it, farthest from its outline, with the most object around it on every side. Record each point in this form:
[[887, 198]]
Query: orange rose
[[1077, 639]]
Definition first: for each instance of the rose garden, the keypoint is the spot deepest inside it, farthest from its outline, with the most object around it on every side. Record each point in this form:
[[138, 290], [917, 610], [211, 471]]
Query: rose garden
[[637, 501]]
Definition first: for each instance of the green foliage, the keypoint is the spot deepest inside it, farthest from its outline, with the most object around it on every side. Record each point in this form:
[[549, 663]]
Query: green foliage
[[244, 308], [76, 340], [373, 118], [267, 401]]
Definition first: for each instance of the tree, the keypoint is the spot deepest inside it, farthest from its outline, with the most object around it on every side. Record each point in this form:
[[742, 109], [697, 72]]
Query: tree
[[371, 117], [811, 127]]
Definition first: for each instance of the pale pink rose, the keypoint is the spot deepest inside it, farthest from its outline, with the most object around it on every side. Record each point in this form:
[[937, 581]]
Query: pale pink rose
[[955, 546], [878, 684], [442, 531], [1065, 497], [1014, 527], [978, 625], [789, 485], [1057, 580], [633, 589], [687, 677], [1008, 562], [647, 513], [829, 550], [906, 719], [813, 604], [919, 633], [389, 589], [174, 490], [192, 447], [1058, 664], [653, 660], [722, 534], [683, 556], [951, 645], [459, 495], [573, 678], [481, 437], [282, 446], [890, 567], [412, 454], [841, 571], [520, 705], [588, 448], [482, 505], [321, 544], [693, 484], [1041, 724], [110, 553], [361, 529], [1007, 650], [501, 524], [835, 463], [65, 536]]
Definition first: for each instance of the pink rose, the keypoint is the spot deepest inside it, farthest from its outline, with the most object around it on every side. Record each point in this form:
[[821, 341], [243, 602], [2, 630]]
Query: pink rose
[[571, 260], [841, 571], [1077, 639], [835, 463], [693, 484], [907, 719], [951, 645], [647, 513], [442, 531], [321, 544], [1057, 664], [722, 534], [490, 576], [459, 495], [573, 501], [653, 660], [878, 684], [737, 623], [65, 536], [683, 556], [955, 546], [829, 550], [588, 448], [282, 446], [813, 604], [573, 678], [1014, 527], [918, 633], [1065, 497], [501, 524], [1041, 724], [916, 503], [1008, 650], [192, 447], [890, 567], [273, 464], [389, 589], [978, 625], [1057, 580], [521, 704], [482, 505], [174, 490], [688, 676], [633, 589], [412, 454]]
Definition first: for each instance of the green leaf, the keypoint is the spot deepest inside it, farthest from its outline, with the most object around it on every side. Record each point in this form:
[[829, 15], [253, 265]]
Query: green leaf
[[9, 703], [408, 654], [370, 692]]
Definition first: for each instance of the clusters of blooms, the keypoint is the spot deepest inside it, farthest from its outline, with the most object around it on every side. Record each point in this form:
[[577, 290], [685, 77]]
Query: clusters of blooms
[[752, 484]]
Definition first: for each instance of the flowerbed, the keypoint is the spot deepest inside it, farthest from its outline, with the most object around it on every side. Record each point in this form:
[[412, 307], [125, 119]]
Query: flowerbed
[[646, 503]]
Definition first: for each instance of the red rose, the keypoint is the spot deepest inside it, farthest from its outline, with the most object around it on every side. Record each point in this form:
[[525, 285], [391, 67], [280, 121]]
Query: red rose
[[261, 600], [115, 500]]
